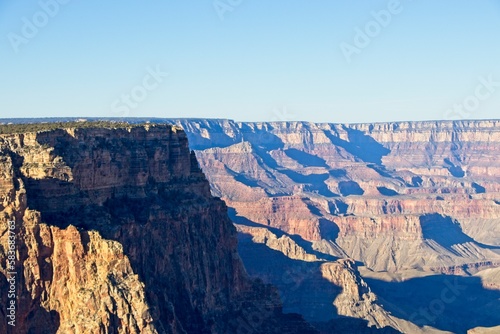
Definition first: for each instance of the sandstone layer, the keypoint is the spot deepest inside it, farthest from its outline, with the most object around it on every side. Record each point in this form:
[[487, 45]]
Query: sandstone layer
[[388, 225], [390, 183], [407, 201], [116, 232]]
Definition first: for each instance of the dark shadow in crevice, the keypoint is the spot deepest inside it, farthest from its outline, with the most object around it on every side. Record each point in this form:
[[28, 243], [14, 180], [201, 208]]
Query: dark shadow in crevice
[[447, 232], [312, 208], [478, 188], [306, 245], [314, 183], [455, 170], [246, 181], [261, 138], [348, 188], [387, 192], [416, 181], [242, 178], [360, 145], [240, 220], [218, 136], [337, 173], [265, 159], [305, 159], [337, 207], [381, 170], [329, 230]]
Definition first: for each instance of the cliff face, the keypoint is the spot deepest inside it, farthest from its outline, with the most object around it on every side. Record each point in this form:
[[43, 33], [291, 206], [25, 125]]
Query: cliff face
[[391, 183], [116, 232], [405, 200]]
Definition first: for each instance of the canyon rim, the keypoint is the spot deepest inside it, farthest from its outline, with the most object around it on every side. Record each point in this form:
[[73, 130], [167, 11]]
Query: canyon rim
[[385, 227]]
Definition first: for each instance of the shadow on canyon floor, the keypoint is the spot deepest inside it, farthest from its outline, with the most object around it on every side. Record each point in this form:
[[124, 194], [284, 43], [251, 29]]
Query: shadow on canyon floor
[[447, 232], [360, 145], [302, 288], [306, 159], [446, 302], [348, 188], [314, 183], [306, 245]]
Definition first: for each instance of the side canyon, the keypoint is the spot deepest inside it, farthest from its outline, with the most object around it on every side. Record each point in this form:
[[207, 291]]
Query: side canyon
[[115, 231], [354, 228], [372, 221]]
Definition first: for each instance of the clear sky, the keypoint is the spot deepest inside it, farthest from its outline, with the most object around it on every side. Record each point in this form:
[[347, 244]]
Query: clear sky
[[251, 60]]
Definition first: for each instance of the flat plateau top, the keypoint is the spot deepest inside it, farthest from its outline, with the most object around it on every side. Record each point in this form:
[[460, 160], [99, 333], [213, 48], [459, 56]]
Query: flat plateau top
[[47, 126]]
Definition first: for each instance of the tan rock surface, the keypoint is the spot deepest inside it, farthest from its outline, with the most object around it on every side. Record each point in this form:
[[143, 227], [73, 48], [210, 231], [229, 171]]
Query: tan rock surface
[[117, 233], [406, 198]]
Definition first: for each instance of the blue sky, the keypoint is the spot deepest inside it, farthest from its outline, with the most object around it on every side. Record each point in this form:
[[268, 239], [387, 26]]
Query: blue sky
[[251, 60]]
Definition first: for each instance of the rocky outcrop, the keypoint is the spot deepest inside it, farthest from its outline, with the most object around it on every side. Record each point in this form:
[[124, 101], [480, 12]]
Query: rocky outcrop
[[115, 231], [490, 278], [319, 288], [403, 199], [392, 184], [403, 202], [483, 330]]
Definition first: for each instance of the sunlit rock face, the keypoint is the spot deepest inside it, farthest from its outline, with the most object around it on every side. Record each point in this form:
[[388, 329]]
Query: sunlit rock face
[[117, 232], [394, 184], [404, 200]]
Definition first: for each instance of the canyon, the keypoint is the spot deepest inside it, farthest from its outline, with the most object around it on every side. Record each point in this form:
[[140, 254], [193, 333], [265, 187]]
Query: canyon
[[114, 230], [372, 221], [359, 228]]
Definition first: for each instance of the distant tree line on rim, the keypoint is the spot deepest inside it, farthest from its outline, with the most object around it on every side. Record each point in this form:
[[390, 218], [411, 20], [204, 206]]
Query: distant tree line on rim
[[39, 127]]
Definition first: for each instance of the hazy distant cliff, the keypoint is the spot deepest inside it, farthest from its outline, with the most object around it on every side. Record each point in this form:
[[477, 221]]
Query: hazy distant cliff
[[406, 200], [116, 232], [356, 224], [384, 179]]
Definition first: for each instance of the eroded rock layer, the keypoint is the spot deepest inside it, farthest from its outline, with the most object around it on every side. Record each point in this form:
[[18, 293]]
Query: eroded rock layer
[[116, 232], [405, 200], [389, 183]]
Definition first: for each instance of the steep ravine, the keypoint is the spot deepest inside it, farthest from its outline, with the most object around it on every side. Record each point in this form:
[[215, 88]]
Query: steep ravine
[[386, 194], [413, 205], [116, 232], [361, 224]]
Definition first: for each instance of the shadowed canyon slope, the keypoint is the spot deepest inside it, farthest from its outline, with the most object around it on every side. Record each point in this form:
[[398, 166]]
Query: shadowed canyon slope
[[405, 201], [116, 232], [364, 228]]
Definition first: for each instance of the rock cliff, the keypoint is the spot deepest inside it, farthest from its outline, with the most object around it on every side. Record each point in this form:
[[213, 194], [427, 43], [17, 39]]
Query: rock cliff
[[405, 200], [388, 225], [114, 230], [391, 183]]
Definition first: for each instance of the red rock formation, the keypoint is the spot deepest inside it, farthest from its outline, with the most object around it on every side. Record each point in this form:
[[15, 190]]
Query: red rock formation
[[373, 182], [116, 232], [405, 199]]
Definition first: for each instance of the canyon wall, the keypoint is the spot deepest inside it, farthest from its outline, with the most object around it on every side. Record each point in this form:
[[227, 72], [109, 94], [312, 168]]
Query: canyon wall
[[364, 228], [115, 231], [405, 201], [391, 183]]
